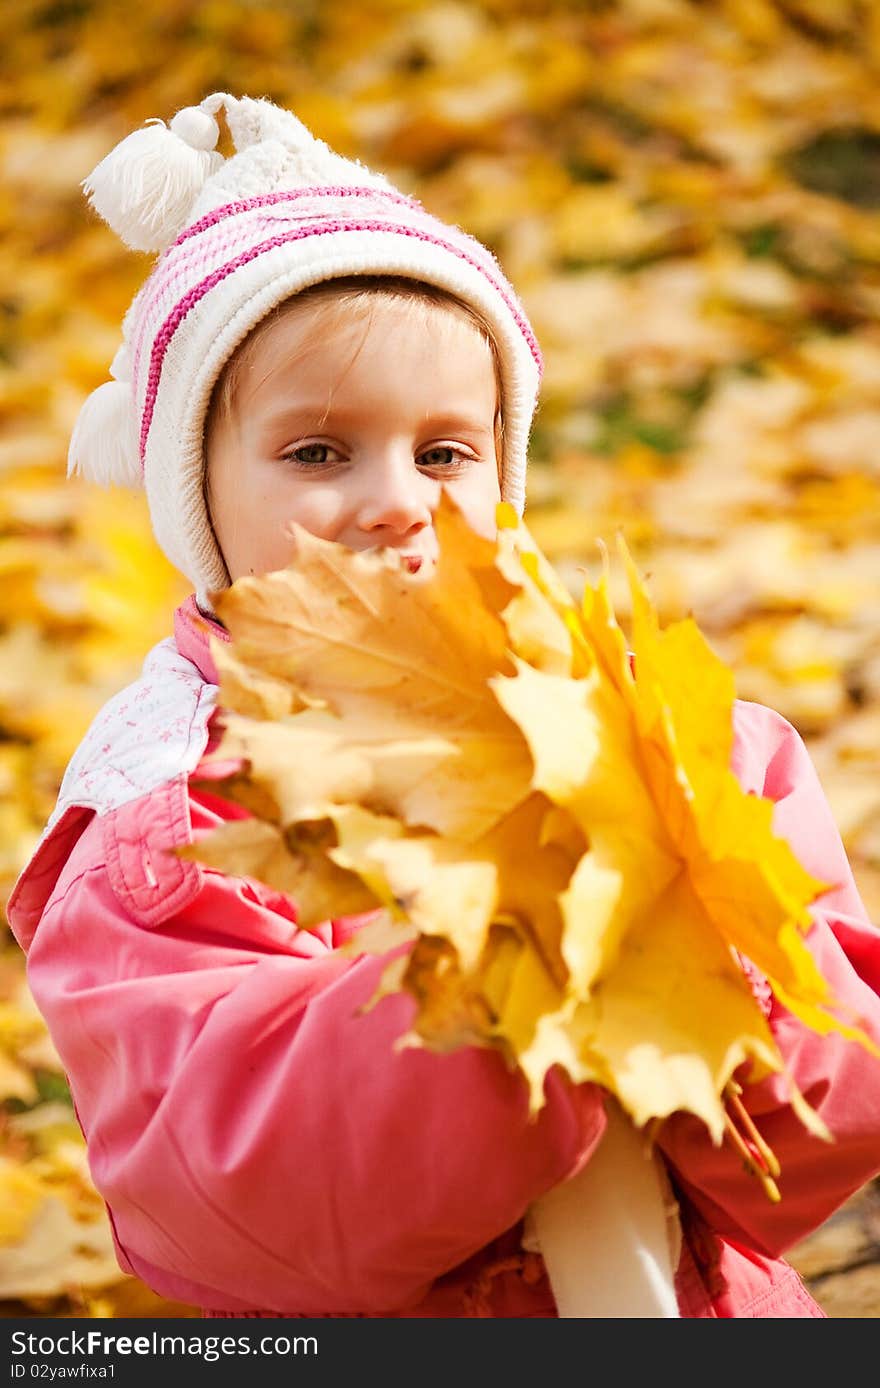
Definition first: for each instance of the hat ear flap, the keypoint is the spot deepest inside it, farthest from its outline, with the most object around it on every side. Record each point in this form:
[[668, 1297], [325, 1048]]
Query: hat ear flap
[[104, 444]]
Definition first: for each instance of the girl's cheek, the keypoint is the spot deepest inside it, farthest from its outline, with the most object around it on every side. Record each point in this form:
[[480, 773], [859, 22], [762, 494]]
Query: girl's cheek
[[318, 514], [479, 509]]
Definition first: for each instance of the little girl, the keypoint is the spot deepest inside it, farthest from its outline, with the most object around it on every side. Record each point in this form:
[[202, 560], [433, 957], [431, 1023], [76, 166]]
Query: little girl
[[311, 346]]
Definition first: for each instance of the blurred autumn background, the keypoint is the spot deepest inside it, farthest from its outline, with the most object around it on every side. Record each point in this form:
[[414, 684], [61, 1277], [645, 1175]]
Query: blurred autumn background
[[687, 195]]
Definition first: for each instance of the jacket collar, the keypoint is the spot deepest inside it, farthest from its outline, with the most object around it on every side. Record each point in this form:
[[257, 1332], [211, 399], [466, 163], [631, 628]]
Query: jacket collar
[[193, 630]]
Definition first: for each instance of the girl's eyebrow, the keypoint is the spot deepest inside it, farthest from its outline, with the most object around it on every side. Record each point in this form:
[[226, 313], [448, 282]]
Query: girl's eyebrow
[[320, 411], [452, 423], [288, 413]]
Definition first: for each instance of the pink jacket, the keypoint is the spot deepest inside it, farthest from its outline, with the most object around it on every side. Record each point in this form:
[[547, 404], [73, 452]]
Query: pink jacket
[[261, 1147]]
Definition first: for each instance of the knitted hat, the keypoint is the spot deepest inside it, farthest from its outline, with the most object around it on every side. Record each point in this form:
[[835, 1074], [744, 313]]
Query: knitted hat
[[237, 236]]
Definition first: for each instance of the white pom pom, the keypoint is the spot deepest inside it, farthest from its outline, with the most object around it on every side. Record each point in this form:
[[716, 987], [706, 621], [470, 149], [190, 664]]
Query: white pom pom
[[195, 127], [145, 187], [104, 444]]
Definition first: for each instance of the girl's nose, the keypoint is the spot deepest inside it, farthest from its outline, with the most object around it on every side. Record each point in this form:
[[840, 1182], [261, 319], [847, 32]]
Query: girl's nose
[[397, 498]]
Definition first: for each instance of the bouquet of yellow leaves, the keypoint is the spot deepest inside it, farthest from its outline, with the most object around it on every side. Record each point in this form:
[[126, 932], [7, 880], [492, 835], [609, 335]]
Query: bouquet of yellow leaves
[[545, 811]]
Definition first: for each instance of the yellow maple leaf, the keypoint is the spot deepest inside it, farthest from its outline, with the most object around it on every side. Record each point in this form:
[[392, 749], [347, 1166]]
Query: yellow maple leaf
[[544, 812], [352, 632]]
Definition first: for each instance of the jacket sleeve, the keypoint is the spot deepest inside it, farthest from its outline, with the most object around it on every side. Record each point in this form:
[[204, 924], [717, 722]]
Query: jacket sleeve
[[840, 1079], [259, 1141]]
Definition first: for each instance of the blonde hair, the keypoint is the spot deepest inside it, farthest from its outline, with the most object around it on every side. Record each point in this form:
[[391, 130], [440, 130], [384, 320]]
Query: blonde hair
[[348, 293]]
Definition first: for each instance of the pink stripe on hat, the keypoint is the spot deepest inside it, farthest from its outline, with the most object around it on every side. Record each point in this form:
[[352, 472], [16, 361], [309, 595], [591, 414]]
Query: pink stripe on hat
[[228, 226], [175, 261], [188, 302], [292, 195]]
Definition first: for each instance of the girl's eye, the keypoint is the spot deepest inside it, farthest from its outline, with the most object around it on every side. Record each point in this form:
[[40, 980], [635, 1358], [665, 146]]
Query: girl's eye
[[441, 456], [311, 454]]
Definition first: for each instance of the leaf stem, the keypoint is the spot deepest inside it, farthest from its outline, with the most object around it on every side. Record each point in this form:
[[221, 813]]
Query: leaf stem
[[758, 1158]]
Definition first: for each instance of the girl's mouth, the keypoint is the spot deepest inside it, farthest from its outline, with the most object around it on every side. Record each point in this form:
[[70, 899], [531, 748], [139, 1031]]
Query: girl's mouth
[[413, 562]]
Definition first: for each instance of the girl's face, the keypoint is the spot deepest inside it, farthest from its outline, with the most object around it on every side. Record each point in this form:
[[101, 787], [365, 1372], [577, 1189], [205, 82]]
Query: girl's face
[[350, 425]]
